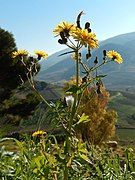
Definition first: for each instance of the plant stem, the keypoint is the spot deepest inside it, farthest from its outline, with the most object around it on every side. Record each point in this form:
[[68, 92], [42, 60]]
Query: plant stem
[[69, 134], [32, 83], [93, 69], [77, 69], [42, 98]]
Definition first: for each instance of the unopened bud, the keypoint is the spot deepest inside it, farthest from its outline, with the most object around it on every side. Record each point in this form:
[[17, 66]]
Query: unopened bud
[[96, 60], [104, 53], [62, 41], [89, 30], [87, 25], [62, 35], [84, 79], [98, 90]]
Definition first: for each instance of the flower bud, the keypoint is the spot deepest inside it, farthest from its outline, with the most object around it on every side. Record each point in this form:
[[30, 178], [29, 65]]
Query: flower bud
[[84, 79], [62, 41], [104, 53], [96, 60], [62, 35], [98, 90], [88, 55], [87, 25], [89, 30]]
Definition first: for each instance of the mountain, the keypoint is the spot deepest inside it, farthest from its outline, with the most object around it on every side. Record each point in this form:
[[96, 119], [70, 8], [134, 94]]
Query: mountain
[[59, 68], [123, 39]]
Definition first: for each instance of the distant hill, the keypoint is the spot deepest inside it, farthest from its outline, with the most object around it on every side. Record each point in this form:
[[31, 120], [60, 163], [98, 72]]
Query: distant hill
[[59, 68], [124, 103], [49, 91], [122, 39]]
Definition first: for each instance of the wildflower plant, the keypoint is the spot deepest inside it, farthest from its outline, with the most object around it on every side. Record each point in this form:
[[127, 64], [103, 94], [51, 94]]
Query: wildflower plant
[[75, 37], [70, 160]]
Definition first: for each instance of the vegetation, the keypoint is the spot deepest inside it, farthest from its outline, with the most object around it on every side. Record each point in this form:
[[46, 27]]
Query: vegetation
[[13, 107], [101, 125], [40, 156], [45, 160]]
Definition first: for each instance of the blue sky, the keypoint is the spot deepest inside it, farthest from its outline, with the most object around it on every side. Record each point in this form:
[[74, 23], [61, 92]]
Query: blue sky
[[32, 21]]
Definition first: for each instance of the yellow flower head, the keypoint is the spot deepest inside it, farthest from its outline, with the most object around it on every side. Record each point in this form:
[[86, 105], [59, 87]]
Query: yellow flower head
[[115, 56], [85, 37], [64, 27], [19, 53], [40, 54], [40, 132]]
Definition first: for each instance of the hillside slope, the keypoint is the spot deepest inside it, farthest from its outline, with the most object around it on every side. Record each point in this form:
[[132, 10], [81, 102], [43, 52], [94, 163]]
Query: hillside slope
[[59, 68]]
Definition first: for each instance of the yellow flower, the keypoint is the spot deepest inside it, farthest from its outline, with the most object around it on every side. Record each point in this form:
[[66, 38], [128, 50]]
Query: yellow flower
[[64, 27], [19, 53], [85, 37], [40, 54], [40, 132], [115, 56]]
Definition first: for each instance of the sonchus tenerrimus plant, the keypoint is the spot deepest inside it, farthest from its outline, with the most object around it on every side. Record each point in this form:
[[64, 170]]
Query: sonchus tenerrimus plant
[[73, 156]]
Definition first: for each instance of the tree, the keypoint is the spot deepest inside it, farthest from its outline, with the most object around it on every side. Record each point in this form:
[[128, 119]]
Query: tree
[[11, 75], [7, 71]]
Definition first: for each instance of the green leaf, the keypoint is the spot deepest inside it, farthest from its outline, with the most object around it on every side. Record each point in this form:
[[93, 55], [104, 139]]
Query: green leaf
[[70, 161], [66, 53], [5, 139], [35, 170], [84, 157], [101, 76], [74, 90], [37, 161], [83, 151], [20, 144], [83, 119]]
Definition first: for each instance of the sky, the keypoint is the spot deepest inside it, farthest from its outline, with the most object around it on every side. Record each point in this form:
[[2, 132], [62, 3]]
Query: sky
[[32, 21]]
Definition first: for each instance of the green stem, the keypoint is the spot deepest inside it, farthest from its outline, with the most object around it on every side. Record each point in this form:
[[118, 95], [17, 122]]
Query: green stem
[[42, 98], [77, 69], [68, 139], [84, 67], [68, 143], [31, 81], [93, 69]]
